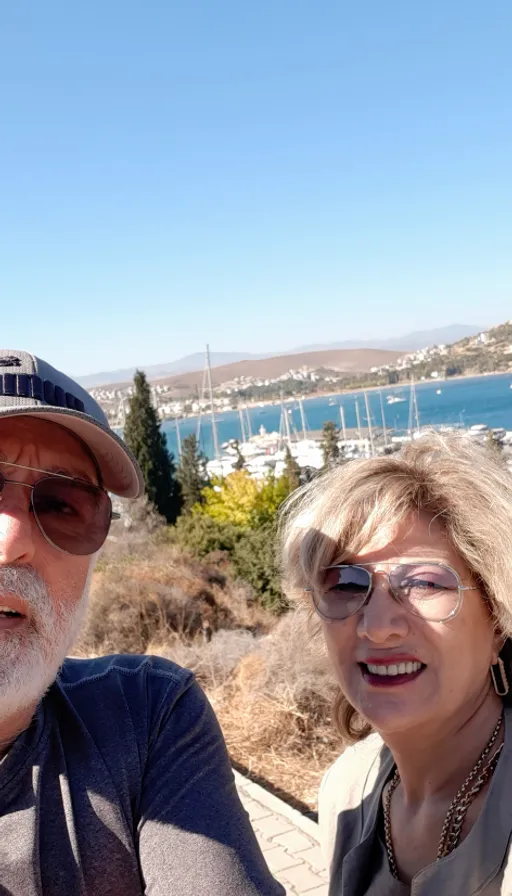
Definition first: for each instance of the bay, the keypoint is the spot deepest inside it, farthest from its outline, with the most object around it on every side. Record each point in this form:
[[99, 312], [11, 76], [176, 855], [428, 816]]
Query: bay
[[466, 401]]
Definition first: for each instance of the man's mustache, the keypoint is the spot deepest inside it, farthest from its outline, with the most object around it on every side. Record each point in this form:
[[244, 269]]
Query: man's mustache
[[25, 582]]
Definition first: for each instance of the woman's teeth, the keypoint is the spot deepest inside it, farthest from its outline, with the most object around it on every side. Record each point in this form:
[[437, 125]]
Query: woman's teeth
[[399, 669]]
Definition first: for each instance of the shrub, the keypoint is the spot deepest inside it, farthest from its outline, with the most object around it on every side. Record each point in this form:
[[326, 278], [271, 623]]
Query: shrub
[[254, 561], [202, 535]]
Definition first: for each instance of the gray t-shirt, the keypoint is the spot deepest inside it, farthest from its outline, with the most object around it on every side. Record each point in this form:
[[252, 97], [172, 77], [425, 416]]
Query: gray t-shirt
[[122, 786]]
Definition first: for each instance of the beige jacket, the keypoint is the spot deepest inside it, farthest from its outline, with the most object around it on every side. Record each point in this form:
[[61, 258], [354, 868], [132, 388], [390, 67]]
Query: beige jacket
[[349, 803]]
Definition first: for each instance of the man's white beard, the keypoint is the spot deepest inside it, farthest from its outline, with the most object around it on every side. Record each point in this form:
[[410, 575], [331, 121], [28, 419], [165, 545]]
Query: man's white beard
[[30, 657]]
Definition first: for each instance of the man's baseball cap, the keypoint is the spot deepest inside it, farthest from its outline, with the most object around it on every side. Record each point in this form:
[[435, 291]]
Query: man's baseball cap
[[31, 387]]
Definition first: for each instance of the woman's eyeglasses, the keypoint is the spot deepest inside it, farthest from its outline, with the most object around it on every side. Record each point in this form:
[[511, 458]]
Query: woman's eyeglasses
[[429, 590], [74, 516]]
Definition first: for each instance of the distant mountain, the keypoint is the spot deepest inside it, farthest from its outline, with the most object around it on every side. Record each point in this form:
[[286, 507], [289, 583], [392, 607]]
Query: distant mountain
[[348, 361], [158, 371], [195, 362], [411, 342]]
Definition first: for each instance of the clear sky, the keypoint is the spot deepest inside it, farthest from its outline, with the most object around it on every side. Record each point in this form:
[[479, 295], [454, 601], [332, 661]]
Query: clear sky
[[258, 175]]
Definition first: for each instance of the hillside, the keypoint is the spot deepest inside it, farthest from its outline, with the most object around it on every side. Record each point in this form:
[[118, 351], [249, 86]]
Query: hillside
[[399, 343], [487, 352], [347, 361]]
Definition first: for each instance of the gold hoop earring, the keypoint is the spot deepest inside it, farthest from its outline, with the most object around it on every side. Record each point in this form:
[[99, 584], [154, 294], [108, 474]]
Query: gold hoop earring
[[502, 688]]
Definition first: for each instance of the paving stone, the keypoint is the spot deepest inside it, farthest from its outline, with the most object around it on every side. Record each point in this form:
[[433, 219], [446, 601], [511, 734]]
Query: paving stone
[[288, 840], [294, 841], [272, 825], [302, 878], [256, 810], [313, 857], [264, 843], [319, 891], [278, 859]]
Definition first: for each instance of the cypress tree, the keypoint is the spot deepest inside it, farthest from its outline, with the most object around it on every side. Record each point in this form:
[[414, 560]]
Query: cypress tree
[[240, 460], [291, 470], [330, 447], [143, 435], [192, 474]]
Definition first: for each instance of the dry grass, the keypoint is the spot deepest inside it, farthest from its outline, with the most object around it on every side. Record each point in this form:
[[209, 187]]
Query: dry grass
[[161, 595], [273, 697], [267, 680]]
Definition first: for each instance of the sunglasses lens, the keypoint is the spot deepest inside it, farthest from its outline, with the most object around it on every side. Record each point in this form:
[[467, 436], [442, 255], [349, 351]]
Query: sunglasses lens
[[343, 593], [74, 516], [427, 589]]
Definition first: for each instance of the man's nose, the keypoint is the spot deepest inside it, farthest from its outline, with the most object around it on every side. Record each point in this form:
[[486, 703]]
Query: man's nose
[[17, 526]]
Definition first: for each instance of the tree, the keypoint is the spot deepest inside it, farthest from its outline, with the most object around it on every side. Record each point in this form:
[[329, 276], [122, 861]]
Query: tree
[[231, 500], [330, 447], [192, 475], [143, 436], [291, 470], [254, 560], [240, 460], [243, 501]]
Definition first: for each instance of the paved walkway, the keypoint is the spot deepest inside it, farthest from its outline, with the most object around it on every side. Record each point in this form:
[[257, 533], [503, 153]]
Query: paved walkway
[[289, 841]]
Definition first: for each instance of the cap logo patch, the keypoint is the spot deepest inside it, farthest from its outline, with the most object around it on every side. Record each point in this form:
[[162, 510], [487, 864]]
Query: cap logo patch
[[27, 385], [10, 361]]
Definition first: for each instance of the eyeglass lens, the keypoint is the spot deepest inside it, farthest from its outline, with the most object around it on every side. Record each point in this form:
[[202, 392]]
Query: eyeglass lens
[[426, 589], [73, 515]]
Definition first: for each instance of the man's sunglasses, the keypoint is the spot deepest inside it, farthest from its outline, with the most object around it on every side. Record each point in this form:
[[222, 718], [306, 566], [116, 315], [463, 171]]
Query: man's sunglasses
[[74, 516]]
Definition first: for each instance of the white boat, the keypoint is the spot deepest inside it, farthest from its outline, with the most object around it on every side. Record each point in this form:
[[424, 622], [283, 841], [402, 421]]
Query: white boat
[[395, 399], [438, 392]]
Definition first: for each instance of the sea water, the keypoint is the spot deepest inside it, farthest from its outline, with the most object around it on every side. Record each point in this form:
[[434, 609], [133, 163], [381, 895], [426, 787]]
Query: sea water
[[456, 402]]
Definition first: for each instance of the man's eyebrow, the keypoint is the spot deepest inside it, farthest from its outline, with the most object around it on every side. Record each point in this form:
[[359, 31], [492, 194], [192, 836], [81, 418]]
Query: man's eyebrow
[[59, 470]]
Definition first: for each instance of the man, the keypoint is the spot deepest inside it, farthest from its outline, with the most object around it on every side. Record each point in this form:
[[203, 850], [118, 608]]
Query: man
[[114, 777]]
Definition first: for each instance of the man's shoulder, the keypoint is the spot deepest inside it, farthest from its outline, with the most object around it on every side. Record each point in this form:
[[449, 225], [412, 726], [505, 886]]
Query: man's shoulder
[[78, 671], [126, 685]]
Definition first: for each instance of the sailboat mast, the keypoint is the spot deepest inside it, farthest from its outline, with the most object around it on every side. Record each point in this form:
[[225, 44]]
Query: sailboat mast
[[241, 416], [358, 418], [286, 423], [411, 406], [210, 389], [416, 411], [248, 419], [383, 416], [201, 399], [343, 426], [302, 418], [178, 434], [369, 419]]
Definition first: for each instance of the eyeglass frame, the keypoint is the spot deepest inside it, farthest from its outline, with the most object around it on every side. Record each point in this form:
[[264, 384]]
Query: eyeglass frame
[[48, 475], [367, 566]]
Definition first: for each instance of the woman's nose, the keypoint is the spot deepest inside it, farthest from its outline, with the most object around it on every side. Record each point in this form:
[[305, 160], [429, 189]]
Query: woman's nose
[[382, 618]]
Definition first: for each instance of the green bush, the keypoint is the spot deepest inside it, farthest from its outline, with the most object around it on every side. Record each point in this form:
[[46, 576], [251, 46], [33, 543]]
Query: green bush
[[254, 561], [251, 553], [202, 535]]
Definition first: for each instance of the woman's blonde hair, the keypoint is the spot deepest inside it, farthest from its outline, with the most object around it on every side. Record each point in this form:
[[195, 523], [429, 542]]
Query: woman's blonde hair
[[463, 483]]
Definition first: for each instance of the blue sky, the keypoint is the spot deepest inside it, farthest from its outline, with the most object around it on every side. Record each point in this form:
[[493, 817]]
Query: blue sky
[[258, 175]]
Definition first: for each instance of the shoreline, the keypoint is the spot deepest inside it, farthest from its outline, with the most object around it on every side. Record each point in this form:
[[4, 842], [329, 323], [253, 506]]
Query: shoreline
[[275, 402]]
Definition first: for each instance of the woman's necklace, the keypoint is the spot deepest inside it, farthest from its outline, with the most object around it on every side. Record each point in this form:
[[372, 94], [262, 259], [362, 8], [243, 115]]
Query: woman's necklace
[[452, 826]]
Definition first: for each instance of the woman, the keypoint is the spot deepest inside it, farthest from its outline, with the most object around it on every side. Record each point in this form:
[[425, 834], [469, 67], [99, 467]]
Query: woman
[[407, 560]]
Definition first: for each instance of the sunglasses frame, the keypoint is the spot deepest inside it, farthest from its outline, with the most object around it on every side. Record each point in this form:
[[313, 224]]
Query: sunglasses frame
[[91, 485], [367, 567]]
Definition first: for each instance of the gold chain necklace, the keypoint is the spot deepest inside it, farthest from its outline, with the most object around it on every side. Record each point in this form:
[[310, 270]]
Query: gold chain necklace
[[452, 826]]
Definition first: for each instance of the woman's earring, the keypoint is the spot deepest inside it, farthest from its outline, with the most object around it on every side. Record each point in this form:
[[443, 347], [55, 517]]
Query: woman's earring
[[501, 686]]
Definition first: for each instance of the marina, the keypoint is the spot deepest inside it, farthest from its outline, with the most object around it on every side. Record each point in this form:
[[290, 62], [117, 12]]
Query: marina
[[368, 422]]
